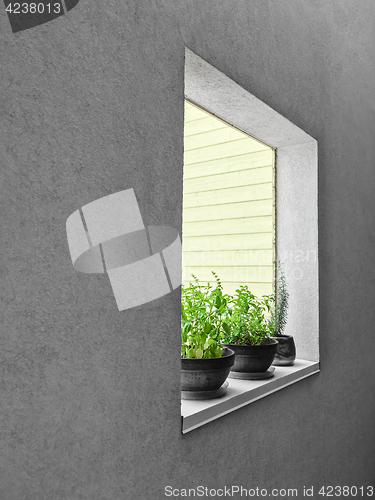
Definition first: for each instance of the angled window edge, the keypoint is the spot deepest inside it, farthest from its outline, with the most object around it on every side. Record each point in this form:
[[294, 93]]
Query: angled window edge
[[296, 193]]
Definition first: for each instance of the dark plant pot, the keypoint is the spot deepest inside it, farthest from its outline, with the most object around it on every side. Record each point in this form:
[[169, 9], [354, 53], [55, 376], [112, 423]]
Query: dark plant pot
[[206, 374], [253, 358], [286, 352]]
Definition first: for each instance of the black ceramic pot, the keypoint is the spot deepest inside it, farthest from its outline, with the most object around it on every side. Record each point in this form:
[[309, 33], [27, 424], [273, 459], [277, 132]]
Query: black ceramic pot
[[253, 358], [286, 352], [206, 374]]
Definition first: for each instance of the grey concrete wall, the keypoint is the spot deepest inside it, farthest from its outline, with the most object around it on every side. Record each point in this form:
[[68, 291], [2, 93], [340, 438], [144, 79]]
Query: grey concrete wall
[[92, 103]]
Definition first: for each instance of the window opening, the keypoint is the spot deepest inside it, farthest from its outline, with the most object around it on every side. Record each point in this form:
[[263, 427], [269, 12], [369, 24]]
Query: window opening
[[228, 205], [295, 228]]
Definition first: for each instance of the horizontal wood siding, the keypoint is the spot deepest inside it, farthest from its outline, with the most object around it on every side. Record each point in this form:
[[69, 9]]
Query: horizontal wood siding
[[228, 205]]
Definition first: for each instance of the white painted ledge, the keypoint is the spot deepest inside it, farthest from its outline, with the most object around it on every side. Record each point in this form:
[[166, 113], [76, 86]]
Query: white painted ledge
[[243, 392]]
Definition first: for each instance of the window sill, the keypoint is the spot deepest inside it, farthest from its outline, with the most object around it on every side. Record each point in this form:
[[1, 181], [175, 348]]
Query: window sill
[[241, 393]]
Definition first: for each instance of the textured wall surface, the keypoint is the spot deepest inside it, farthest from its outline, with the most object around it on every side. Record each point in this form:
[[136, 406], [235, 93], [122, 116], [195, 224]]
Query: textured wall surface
[[92, 103]]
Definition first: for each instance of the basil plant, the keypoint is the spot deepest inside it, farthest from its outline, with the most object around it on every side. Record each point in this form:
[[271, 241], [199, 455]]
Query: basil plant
[[248, 318], [204, 316]]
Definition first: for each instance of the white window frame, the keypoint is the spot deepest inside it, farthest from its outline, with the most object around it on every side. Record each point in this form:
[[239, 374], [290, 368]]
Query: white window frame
[[296, 218]]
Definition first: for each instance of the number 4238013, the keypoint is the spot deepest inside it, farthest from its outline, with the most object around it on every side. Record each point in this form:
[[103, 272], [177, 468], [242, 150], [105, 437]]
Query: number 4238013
[[33, 8], [346, 491]]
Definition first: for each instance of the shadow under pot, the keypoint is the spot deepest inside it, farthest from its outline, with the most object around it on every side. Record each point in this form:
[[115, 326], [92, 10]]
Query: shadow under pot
[[286, 352], [204, 378], [253, 362]]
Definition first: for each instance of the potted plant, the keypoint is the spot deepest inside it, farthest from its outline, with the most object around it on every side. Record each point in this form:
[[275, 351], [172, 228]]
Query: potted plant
[[247, 332], [286, 353], [205, 364]]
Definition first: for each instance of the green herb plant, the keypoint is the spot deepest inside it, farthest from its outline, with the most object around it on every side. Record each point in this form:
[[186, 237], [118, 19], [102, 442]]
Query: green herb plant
[[279, 311], [204, 312], [248, 318]]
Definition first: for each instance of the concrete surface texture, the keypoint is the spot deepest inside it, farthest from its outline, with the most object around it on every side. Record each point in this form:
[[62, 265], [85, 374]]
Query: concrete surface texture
[[92, 104]]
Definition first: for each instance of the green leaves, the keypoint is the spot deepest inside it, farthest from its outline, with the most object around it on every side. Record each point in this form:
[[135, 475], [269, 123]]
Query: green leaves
[[280, 312], [199, 353], [226, 328], [202, 311], [218, 301], [248, 322], [209, 317], [207, 328]]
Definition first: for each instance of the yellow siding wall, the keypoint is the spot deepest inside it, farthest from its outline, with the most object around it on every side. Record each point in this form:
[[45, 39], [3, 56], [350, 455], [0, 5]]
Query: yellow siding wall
[[228, 205]]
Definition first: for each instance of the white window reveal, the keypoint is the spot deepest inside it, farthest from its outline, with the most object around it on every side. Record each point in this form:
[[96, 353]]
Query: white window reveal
[[280, 214]]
